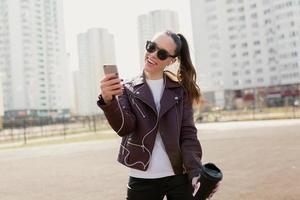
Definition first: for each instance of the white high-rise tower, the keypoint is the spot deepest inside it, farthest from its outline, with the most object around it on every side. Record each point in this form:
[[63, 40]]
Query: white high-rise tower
[[153, 22], [95, 48], [242, 44], [32, 57]]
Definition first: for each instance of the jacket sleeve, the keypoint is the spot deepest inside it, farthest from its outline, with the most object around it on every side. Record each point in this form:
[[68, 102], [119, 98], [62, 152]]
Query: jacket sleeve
[[190, 145], [119, 115]]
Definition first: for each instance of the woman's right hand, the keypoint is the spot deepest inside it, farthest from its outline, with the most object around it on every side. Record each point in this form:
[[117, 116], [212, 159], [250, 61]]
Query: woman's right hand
[[110, 86]]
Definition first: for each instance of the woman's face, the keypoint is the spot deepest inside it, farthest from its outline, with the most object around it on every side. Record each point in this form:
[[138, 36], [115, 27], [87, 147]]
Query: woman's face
[[153, 64]]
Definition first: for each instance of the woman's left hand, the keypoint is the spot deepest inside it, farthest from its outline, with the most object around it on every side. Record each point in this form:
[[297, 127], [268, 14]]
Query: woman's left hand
[[195, 184]]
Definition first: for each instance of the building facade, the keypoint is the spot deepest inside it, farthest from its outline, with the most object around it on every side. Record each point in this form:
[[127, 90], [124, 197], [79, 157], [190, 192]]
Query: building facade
[[32, 57], [1, 102], [243, 45], [153, 22], [95, 48]]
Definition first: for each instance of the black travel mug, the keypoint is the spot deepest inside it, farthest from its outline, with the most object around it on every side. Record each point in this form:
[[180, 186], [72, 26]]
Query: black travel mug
[[210, 175]]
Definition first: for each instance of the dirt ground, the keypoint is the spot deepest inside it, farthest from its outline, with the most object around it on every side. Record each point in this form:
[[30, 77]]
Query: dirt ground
[[259, 160]]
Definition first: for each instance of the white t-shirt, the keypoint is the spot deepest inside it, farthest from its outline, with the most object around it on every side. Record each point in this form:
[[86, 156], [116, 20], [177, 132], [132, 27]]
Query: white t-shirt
[[159, 165]]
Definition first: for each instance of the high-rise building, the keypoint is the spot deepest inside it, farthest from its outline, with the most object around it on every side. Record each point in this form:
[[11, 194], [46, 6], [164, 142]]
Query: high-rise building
[[1, 102], [95, 48], [153, 22], [243, 44], [32, 57]]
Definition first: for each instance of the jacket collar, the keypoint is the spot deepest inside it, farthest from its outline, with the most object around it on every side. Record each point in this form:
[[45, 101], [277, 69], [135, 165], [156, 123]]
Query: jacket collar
[[170, 80], [169, 98]]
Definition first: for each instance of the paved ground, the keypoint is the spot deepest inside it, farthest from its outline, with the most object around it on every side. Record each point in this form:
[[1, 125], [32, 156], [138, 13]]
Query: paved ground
[[260, 160]]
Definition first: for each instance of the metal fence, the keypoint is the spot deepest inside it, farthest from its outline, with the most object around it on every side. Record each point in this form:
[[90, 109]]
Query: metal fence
[[248, 114], [23, 129]]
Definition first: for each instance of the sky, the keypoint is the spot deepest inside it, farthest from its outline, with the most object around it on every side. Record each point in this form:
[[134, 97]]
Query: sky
[[119, 17]]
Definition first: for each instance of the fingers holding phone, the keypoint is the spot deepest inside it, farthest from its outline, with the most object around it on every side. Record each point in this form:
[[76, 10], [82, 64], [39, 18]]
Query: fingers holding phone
[[111, 85]]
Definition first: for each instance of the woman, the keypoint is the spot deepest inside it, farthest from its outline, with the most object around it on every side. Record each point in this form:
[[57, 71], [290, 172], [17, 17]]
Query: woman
[[154, 116]]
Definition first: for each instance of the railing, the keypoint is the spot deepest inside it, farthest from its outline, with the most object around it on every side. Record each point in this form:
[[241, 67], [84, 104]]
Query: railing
[[248, 114], [21, 130]]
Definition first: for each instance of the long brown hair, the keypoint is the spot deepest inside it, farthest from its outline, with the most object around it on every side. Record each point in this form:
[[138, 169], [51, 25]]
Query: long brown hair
[[186, 73]]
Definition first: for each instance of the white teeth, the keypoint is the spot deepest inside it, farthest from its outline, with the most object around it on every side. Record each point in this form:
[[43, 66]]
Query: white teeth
[[151, 62]]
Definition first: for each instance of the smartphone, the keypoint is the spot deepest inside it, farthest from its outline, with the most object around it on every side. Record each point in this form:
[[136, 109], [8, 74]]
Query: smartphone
[[110, 69]]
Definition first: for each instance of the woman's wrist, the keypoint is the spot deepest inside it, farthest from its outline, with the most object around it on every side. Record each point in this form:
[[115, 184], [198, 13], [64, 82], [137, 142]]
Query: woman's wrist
[[104, 99]]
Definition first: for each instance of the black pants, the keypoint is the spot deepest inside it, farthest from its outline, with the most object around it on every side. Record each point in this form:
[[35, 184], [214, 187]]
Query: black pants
[[176, 187]]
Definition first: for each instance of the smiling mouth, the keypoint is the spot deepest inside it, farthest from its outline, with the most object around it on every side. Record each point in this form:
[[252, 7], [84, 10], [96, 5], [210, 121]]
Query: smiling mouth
[[150, 61]]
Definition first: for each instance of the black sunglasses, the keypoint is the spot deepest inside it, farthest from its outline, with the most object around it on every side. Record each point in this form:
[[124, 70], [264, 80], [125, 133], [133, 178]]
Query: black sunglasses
[[161, 53]]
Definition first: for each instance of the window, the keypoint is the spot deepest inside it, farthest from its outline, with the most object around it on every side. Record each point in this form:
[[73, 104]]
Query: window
[[258, 71], [231, 28], [230, 10], [256, 42], [248, 81], [230, 19], [257, 52], [293, 34], [294, 54], [253, 15], [273, 78], [272, 69], [255, 25], [267, 11], [242, 18], [246, 63], [232, 37], [292, 22], [268, 21], [259, 61], [270, 40], [245, 54], [241, 9], [253, 6], [211, 18], [260, 80], [244, 45]]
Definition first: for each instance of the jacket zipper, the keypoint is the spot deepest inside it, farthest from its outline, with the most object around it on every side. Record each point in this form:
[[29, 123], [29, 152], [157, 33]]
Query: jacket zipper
[[177, 116], [140, 110], [157, 123], [177, 122], [137, 145], [147, 105], [137, 106]]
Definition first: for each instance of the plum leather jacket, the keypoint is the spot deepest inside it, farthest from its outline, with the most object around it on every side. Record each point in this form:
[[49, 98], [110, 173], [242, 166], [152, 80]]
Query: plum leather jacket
[[134, 117]]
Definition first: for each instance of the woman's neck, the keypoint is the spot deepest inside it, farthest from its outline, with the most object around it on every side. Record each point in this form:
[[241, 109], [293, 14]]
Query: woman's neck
[[153, 76]]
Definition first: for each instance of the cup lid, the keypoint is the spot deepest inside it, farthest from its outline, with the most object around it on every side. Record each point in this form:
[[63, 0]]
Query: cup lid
[[211, 170]]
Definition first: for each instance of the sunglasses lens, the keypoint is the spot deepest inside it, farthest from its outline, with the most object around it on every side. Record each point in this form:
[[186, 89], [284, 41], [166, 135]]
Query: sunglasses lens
[[150, 47], [162, 54]]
